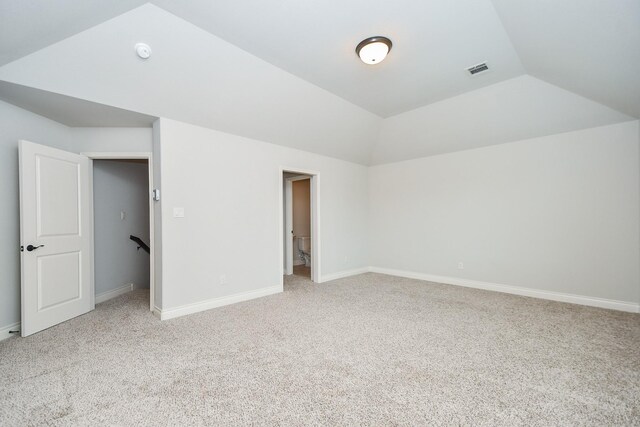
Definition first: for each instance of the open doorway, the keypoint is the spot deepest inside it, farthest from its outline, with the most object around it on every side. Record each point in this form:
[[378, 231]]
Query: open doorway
[[300, 224], [122, 225]]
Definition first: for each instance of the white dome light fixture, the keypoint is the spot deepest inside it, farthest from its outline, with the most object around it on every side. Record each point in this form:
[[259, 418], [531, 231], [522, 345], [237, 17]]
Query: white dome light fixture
[[373, 50]]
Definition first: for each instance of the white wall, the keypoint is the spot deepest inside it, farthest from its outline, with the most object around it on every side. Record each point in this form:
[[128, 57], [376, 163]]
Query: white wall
[[120, 186], [125, 139], [232, 221], [558, 213]]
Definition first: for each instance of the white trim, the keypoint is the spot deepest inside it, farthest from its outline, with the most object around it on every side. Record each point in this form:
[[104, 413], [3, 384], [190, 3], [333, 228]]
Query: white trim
[[289, 250], [119, 155], [183, 310], [298, 178], [105, 296], [4, 331], [92, 233], [123, 155], [630, 307], [343, 274]]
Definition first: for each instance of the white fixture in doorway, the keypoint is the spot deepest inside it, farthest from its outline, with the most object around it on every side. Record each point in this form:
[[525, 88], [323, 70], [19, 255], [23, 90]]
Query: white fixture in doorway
[[287, 247], [304, 249]]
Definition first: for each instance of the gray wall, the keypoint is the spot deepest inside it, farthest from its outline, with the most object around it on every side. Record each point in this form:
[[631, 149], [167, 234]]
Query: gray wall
[[120, 186], [15, 124]]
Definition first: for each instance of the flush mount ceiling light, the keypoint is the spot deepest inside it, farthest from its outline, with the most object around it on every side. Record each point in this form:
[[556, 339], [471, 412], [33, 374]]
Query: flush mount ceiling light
[[373, 50]]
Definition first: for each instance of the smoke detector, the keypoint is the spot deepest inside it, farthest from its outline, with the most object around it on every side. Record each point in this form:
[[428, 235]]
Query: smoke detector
[[143, 50]]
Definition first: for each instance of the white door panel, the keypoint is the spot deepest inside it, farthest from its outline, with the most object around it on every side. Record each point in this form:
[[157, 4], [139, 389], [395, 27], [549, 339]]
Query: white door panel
[[55, 218], [58, 206]]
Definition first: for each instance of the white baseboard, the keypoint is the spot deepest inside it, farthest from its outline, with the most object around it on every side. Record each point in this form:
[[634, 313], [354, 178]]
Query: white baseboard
[[4, 331], [343, 274], [630, 307], [170, 313], [104, 296]]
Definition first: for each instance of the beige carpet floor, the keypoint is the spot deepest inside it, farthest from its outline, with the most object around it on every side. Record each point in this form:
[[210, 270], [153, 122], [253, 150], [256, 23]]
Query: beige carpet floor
[[368, 350]]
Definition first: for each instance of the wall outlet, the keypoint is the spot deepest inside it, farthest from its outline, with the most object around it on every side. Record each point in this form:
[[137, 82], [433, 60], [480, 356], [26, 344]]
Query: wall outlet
[[223, 279], [460, 265]]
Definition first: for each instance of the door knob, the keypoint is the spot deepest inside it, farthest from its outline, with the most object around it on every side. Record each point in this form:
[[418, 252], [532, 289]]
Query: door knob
[[33, 248]]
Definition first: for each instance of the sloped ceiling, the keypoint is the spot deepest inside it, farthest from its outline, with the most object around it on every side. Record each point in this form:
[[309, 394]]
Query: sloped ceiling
[[436, 41], [27, 26], [197, 78], [590, 47], [70, 111], [508, 111], [312, 92]]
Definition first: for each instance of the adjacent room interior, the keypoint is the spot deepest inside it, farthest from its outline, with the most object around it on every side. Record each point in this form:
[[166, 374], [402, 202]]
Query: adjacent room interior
[[298, 236], [121, 227], [329, 213]]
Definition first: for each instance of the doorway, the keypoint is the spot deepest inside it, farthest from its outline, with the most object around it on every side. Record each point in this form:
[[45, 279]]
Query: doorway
[[123, 223], [121, 227], [300, 223]]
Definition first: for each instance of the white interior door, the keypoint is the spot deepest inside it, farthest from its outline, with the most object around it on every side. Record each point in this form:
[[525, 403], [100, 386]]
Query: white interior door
[[288, 194], [55, 233]]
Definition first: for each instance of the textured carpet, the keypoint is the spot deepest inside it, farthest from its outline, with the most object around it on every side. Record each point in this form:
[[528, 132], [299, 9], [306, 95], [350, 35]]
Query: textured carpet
[[366, 350]]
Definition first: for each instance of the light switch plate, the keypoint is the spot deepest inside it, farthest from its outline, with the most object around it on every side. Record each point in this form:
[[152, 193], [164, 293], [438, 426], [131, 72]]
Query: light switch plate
[[178, 212]]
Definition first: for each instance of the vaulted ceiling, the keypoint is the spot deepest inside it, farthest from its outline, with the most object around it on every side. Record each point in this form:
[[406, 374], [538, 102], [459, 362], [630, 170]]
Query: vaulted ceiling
[[286, 72]]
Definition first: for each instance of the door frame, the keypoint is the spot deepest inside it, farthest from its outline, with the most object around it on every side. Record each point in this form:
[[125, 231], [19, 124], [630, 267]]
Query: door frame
[[285, 194], [108, 155]]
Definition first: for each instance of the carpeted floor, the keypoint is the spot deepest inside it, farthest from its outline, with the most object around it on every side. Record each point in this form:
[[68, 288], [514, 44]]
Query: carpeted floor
[[366, 350]]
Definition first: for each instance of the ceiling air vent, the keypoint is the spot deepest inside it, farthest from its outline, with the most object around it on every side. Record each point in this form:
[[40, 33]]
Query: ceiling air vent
[[476, 69]]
